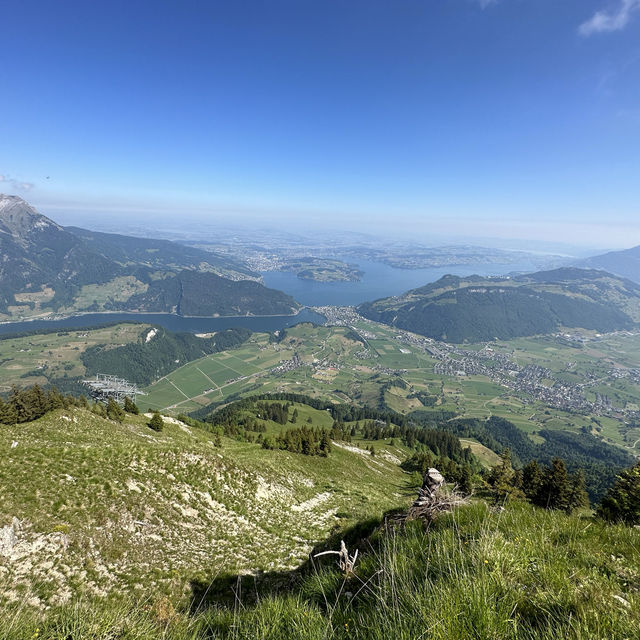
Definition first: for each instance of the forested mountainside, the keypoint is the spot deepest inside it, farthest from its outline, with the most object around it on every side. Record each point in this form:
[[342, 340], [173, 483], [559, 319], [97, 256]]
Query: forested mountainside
[[156, 353], [624, 263], [202, 293], [476, 308], [45, 268]]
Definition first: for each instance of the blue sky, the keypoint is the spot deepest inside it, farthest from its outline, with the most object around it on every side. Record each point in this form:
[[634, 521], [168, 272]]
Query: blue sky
[[506, 118]]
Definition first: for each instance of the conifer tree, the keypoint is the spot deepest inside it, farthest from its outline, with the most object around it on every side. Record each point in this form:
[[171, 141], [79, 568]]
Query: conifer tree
[[555, 490], [532, 478], [98, 409], [578, 496], [465, 480], [325, 443], [156, 423], [501, 479], [130, 406], [114, 411], [622, 502]]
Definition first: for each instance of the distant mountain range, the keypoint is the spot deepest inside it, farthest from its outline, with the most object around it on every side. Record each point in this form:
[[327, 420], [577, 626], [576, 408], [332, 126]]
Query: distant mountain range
[[475, 308], [623, 263], [45, 268]]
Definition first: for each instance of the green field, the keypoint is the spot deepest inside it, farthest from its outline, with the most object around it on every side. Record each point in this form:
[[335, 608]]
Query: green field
[[342, 369], [40, 358]]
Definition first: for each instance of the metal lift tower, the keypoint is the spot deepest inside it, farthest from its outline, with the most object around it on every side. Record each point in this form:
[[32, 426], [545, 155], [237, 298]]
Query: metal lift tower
[[104, 386]]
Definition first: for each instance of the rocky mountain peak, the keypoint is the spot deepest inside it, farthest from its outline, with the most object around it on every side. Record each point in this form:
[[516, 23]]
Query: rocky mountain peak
[[20, 219]]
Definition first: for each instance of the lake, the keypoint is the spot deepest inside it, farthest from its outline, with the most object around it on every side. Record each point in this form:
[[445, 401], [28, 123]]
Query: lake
[[168, 321], [379, 281]]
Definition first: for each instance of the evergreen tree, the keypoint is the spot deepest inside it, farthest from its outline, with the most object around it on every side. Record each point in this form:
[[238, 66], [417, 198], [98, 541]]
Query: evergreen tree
[[532, 479], [325, 443], [622, 502], [578, 496], [8, 413], [130, 406], [114, 411], [156, 423], [98, 409], [465, 480], [502, 477], [555, 489], [294, 416]]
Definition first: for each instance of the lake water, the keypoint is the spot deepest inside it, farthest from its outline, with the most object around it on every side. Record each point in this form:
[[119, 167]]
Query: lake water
[[379, 281], [168, 321]]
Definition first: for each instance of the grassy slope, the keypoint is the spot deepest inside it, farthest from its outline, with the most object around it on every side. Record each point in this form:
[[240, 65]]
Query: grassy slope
[[522, 573], [107, 507]]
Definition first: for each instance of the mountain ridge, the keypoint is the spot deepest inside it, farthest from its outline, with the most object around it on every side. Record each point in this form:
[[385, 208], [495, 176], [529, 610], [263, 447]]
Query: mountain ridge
[[624, 263], [476, 308], [48, 268]]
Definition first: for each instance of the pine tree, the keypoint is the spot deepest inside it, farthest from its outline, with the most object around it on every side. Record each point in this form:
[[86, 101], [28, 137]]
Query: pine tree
[[578, 496], [465, 480], [130, 406], [622, 502], [156, 423], [501, 479], [114, 411], [98, 409], [555, 490], [325, 443], [532, 478]]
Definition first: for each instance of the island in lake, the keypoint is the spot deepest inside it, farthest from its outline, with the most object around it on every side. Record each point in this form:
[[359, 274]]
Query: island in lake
[[323, 270]]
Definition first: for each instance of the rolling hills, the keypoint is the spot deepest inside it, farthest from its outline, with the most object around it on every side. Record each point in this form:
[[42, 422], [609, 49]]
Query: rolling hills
[[476, 308], [46, 268], [624, 263]]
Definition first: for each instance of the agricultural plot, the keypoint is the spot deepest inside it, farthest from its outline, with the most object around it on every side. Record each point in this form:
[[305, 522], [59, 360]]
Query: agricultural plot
[[215, 377], [40, 358]]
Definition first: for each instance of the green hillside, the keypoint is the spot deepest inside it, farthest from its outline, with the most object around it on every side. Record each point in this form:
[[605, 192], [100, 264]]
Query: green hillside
[[475, 308], [160, 254], [517, 574], [108, 508]]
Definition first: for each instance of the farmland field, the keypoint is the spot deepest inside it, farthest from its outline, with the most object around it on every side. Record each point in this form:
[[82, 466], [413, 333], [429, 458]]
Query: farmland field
[[40, 358], [382, 370]]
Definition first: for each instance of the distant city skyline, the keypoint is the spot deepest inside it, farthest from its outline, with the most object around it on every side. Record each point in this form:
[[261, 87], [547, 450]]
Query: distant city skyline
[[505, 119]]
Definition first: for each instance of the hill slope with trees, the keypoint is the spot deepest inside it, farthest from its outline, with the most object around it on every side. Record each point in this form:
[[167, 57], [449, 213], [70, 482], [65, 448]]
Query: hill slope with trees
[[46, 268], [476, 308]]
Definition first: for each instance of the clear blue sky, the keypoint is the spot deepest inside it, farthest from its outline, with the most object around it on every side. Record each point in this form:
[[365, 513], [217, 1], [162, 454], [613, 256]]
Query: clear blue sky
[[507, 117]]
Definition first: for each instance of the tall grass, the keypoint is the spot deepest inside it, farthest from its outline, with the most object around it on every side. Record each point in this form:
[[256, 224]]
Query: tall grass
[[522, 574]]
